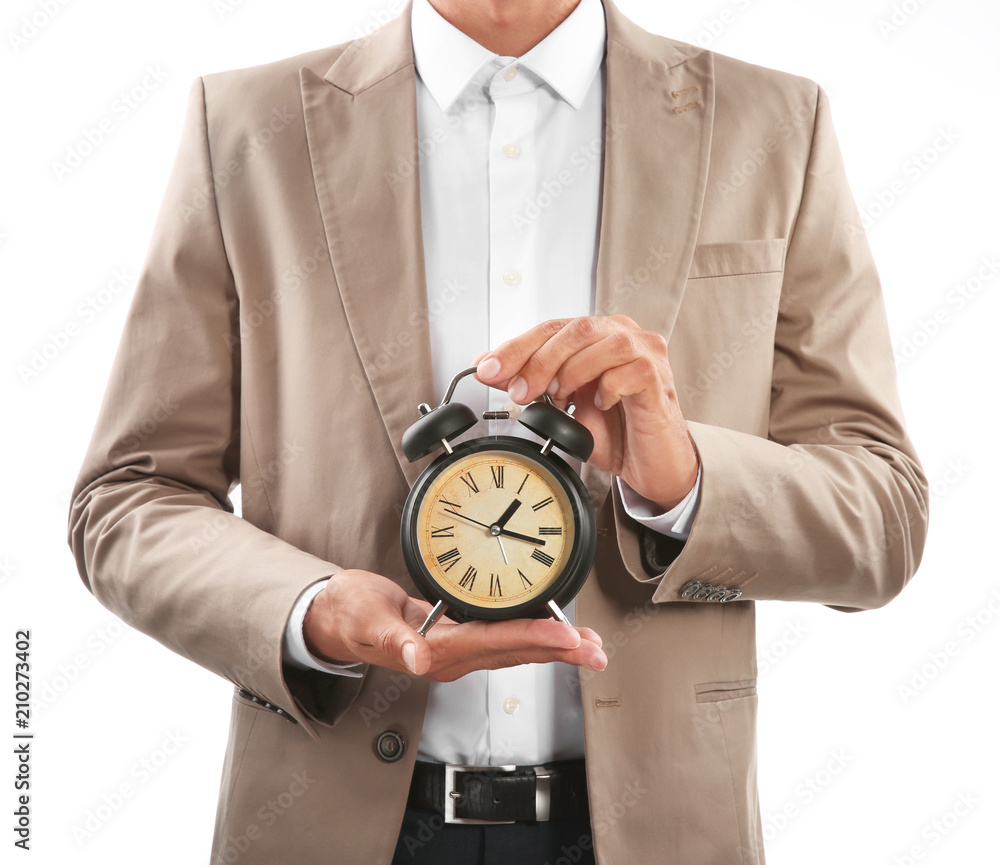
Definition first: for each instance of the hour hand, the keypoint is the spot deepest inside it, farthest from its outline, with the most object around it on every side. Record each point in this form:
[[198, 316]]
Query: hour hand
[[507, 514]]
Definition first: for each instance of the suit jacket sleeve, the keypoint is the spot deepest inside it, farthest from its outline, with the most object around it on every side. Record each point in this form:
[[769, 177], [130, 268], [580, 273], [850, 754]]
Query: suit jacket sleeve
[[151, 524], [831, 506]]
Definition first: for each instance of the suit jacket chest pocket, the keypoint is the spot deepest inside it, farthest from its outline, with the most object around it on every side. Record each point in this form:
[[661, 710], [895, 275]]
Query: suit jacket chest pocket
[[721, 348]]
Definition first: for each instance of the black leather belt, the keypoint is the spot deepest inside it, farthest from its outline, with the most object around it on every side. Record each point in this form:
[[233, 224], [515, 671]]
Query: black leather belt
[[500, 794]]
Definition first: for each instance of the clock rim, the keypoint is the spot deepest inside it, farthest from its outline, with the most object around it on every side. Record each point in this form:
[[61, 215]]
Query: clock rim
[[579, 562]]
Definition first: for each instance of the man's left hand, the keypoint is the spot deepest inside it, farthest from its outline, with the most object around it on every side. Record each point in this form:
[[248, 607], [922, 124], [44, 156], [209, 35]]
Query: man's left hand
[[619, 377]]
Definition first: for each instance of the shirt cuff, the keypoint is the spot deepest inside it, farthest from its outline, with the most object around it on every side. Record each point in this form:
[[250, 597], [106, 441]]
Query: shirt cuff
[[294, 647], [675, 523]]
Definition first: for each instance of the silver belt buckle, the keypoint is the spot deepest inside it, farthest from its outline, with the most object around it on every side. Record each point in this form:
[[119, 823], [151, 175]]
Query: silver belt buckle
[[542, 792]]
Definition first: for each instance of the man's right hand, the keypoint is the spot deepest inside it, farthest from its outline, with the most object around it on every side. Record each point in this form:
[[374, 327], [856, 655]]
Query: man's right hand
[[363, 617]]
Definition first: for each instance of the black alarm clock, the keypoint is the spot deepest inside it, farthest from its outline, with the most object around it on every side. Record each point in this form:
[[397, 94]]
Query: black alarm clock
[[497, 527]]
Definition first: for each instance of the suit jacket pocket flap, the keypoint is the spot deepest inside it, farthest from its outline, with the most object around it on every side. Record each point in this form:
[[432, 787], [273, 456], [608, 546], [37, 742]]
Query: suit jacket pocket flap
[[713, 692], [737, 259]]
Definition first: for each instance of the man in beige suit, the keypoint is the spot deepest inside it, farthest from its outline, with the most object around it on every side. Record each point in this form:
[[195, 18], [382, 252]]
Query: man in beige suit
[[779, 393]]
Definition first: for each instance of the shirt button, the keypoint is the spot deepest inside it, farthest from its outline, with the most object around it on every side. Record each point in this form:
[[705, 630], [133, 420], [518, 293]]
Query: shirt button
[[511, 277], [511, 705], [511, 150], [510, 74]]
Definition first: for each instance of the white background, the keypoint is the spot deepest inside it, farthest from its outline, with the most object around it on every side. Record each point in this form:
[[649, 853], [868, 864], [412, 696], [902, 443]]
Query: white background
[[852, 768]]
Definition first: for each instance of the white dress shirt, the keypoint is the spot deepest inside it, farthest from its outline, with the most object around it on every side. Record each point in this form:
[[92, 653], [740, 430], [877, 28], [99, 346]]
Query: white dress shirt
[[510, 172]]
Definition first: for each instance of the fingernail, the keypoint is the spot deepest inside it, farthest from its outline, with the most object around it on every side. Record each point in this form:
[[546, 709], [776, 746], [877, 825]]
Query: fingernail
[[410, 657], [597, 400], [489, 367], [518, 389], [571, 643], [603, 664], [553, 387]]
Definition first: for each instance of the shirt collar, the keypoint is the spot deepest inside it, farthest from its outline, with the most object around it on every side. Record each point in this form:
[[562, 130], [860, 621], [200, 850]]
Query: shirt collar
[[567, 59]]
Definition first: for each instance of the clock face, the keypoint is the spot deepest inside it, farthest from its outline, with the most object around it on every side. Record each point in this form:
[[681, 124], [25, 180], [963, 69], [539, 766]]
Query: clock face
[[494, 530]]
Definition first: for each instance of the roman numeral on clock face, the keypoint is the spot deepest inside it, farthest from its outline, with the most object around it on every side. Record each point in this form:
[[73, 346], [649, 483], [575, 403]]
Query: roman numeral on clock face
[[496, 591], [470, 482], [550, 530], [451, 557], [524, 580], [544, 558], [446, 532], [497, 473], [469, 579], [543, 503]]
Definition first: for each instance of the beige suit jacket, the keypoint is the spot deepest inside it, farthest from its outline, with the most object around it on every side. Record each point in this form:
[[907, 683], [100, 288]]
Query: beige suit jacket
[[278, 338]]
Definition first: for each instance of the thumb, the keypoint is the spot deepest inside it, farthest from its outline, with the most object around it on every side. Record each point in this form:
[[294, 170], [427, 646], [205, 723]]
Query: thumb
[[400, 646]]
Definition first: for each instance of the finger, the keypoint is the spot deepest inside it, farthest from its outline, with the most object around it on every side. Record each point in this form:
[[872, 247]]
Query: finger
[[617, 349], [639, 378], [587, 654], [591, 635], [479, 640], [501, 364], [367, 618], [615, 343]]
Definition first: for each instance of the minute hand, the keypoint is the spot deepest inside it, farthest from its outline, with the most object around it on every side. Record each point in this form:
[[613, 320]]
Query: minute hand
[[537, 541]]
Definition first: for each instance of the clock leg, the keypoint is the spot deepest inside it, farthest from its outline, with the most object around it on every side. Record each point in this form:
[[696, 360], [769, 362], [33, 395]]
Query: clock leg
[[440, 608], [557, 613]]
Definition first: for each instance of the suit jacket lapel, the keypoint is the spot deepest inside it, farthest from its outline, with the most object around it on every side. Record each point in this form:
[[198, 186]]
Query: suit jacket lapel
[[659, 108], [362, 131], [361, 128]]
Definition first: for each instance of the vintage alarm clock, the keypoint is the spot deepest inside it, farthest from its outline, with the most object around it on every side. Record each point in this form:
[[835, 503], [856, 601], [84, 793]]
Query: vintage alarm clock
[[497, 527]]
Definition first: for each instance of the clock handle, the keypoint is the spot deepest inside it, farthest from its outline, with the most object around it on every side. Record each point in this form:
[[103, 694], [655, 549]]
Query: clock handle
[[557, 613], [440, 608]]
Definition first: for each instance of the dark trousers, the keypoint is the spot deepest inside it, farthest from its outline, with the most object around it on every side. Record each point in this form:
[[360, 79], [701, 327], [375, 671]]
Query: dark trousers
[[425, 839]]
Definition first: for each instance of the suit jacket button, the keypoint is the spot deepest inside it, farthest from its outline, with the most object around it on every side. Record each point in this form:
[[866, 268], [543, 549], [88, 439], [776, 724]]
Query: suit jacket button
[[389, 746], [689, 588]]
